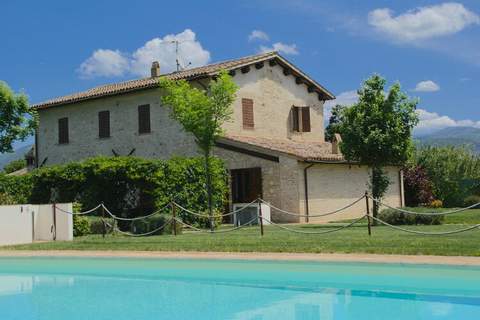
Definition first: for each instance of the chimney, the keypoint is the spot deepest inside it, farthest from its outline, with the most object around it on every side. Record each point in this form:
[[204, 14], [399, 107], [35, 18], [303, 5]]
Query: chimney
[[337, 139], [155, 70]]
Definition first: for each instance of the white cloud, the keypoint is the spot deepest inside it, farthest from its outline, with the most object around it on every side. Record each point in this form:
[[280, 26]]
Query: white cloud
[[423, 22], [104, 63], [428, 121], [110, 63], [163, 51], [346, 98], [426, 86], [258, 35], [432, 121], [289, 49]]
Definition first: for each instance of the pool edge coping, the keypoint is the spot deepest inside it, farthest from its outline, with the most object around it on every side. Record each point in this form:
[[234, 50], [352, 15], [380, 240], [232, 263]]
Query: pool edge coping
[[262, 256]]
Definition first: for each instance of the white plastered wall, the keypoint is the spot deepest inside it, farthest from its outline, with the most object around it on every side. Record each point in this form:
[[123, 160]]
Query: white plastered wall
[[27, 223]]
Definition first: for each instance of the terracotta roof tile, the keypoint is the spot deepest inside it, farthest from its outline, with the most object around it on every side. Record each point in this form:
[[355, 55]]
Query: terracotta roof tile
[[307, 151], [189, 74]]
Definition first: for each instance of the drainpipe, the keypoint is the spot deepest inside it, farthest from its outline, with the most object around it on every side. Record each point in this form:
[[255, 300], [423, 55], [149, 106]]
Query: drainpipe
[[305, 180]]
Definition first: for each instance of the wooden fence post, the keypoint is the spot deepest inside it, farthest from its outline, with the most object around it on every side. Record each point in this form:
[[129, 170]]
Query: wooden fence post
[[54, 226], [369, 221], [260, 216], [104, 231], [174, 218]]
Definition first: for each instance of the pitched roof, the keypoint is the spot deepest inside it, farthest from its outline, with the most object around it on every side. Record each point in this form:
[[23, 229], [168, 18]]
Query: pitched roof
[[306, 151], [189, 74]]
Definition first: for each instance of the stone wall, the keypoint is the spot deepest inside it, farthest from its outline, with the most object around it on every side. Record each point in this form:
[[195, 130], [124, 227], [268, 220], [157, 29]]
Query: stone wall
[[273, 96]]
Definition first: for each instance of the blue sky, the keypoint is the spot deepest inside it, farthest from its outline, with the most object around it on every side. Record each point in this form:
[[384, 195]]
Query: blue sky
[[52, 48]]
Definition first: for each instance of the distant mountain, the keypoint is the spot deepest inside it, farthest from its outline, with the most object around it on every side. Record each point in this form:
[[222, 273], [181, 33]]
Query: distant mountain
[[455, 136], [6, 158]]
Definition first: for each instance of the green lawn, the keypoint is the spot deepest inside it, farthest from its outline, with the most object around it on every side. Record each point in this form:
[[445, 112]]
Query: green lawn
[[352, 240]]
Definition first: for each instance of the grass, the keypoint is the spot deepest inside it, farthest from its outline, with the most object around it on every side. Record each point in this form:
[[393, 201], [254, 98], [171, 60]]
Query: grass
[[352, 240]]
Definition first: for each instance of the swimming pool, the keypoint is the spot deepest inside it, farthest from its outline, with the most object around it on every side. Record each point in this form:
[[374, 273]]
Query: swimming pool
[[137, 289]]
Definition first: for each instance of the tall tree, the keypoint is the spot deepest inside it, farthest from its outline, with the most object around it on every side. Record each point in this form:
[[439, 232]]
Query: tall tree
[[17, 119], [202, 113], [377, 131], [333, 122]]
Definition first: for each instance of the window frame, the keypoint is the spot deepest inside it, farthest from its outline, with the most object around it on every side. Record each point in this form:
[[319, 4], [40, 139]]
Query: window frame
[[104, 127], [144, 124], [247, 112], [63, 131]]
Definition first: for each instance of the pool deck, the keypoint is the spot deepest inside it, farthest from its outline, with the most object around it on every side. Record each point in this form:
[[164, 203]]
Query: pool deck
[[321, 257]]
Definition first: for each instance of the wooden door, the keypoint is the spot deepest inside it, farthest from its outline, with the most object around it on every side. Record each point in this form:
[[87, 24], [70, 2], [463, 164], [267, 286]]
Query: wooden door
[[246, 184]]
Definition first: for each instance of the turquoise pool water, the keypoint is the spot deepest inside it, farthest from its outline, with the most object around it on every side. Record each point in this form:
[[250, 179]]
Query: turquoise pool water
[[137, 289]]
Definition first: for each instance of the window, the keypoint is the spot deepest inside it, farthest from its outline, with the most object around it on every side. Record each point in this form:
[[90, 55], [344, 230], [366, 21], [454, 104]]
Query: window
[[63, 130], [104, 124], [247, 113], [301, 119], [144, 118]]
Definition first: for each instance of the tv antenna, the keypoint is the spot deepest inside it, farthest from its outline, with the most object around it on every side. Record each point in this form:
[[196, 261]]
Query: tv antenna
[[177, 61]]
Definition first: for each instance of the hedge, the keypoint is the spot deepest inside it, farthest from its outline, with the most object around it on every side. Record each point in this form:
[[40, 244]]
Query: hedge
[[128, 186], [396, 217]]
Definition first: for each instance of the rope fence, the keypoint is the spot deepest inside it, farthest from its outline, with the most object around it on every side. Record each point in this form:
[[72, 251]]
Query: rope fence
[[261, 220]]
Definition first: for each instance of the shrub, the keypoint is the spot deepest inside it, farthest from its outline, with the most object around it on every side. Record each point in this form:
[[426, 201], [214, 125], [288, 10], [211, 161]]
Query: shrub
[[396, 217], [418, 187], [6, 199], [454, 172], [128, 186], [471, 200], [81, 226], [436, 204], [15, 165], [152, 223]]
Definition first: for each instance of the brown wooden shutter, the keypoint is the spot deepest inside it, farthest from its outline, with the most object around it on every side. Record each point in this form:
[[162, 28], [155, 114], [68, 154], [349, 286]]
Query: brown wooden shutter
[[144, 118], [295, 116], [63, 130], [104, 124], [306, 119], [247, 113]]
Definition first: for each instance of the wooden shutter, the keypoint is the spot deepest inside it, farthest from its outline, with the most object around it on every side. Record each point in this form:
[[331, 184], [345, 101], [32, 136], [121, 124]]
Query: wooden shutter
[[104, 124], [295, 118], [247, 113], [306, 119], [63, 130], [144, 118]]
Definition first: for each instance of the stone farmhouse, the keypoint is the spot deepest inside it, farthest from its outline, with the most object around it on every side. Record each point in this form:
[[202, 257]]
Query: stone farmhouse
[[274, 145]]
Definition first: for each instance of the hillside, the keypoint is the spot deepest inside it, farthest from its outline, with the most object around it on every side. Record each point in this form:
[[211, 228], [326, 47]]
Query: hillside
[[6, 158], [452, 136]]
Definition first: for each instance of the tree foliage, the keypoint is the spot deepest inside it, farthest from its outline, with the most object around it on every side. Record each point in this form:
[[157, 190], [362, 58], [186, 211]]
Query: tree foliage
[[376, 131], [333, 122], [201, 113], [454, 172], [17, 119]]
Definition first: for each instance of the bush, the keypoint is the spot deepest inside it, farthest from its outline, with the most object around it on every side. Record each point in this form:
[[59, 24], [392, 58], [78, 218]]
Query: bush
[[6, 199], [128, 186], [152, 223], [396, 217], [418, 187], [471, 200], [81, 226], [454, 172], [15, 165], [436, 204]]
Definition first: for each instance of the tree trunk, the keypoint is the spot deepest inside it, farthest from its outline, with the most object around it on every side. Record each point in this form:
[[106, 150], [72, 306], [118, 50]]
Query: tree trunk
[[208, 177], [379, 185]]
